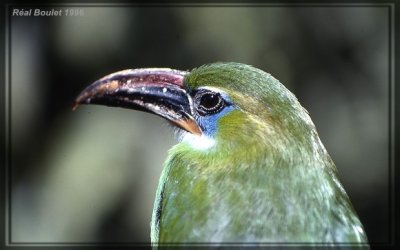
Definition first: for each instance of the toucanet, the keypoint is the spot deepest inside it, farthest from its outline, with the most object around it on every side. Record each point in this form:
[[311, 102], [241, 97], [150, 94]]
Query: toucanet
[[249, 165]]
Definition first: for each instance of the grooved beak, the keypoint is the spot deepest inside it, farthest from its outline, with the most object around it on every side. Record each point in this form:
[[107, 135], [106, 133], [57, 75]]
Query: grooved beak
[[155, 90]]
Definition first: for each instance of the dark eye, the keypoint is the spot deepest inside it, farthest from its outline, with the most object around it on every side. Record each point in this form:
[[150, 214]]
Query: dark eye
[[208, 102]]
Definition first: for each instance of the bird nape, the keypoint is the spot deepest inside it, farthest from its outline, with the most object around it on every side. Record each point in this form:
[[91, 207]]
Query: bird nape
[[249, 166]]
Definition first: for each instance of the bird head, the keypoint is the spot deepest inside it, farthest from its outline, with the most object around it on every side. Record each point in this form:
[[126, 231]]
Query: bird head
[[245, 139], [216, 106]]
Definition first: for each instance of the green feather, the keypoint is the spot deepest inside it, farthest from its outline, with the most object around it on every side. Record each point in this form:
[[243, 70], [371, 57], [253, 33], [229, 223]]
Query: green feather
[[268, 178]]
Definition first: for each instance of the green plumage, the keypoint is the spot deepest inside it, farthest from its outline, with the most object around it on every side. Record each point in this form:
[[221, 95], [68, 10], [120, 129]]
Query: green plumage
[[268, 178], [250, 166]]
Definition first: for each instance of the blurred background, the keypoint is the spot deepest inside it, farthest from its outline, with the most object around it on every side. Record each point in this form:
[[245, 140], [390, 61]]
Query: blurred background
[[91, 175]]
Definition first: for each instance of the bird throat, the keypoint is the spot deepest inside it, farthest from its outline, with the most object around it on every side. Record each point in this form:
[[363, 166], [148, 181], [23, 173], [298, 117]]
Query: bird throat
[[198, 142]]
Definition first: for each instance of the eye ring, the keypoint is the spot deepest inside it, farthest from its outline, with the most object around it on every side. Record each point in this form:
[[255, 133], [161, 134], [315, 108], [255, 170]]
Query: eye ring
[[208, 102]]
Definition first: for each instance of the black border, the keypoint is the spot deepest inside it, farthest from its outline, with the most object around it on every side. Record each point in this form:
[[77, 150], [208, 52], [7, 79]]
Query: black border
[[393, 71]]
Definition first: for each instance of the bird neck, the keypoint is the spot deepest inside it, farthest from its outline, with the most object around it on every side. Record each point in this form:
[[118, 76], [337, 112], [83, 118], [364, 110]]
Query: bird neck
[[210, 193], [284, 178]]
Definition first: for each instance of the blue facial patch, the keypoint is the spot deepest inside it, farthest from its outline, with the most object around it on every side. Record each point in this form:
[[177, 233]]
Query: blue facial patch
[[209, 123]]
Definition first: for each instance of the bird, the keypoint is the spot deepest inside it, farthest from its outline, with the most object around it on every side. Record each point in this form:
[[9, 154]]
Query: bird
[[249, 166]]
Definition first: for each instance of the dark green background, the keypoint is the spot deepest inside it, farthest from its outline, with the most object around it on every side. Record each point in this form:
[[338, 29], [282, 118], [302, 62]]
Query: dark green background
[[91, 175]]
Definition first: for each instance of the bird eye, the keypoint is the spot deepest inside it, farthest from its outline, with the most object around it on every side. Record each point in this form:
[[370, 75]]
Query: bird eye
[[208, 102]]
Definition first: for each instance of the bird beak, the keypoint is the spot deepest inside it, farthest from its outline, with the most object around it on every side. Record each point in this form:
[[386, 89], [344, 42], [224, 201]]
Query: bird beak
[[153, 90]]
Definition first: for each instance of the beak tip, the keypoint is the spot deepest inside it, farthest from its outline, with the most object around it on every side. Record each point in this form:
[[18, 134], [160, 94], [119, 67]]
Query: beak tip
[[83, 98], [75, 106], [78, 101]]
